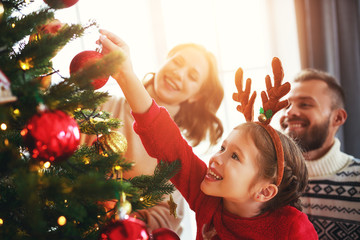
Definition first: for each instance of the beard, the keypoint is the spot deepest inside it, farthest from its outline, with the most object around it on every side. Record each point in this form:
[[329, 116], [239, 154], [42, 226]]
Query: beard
[[313, 138]]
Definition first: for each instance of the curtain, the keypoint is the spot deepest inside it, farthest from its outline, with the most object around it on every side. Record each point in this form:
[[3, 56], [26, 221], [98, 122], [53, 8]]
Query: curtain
[[329, 40]]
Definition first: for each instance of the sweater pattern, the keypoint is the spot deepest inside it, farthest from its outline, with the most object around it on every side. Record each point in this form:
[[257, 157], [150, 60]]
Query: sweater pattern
[[332, 197]]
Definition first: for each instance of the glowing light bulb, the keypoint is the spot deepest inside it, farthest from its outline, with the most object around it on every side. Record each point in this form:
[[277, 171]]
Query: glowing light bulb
[[2, 10], [23, 132], [61, 220], [3, 126], [86, 160], [47, 164], [1, 221], [26, 64], [16, 112]]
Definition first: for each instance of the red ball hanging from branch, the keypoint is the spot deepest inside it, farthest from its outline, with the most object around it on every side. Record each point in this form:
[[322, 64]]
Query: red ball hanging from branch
[[58, 4], [51, 136], [164, 234], [52, 28], [126, 229], [85, 58]]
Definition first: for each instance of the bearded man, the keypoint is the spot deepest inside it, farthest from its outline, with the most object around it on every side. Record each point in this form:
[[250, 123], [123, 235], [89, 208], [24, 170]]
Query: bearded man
[[315, 113]]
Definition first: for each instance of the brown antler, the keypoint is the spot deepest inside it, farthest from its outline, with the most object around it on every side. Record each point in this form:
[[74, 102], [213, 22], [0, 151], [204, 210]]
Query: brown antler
[[271, 100], [246, 105]]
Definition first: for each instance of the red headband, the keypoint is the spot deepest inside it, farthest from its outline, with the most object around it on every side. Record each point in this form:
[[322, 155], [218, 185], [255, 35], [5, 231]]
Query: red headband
[[271, 104]]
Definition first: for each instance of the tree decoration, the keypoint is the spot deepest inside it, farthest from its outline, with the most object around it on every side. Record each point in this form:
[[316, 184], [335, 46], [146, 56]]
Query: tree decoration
[[51, 135], [164, 234], [114, 142], [51, 28], [26, 64], [87, 58], [125, 229], [2, 10], [58, 4], [44, 81], [172, 206], [5, 91], [50, 186], [124, 206]]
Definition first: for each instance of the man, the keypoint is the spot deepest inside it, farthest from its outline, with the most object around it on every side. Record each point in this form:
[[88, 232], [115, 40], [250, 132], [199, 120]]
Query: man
[[315, 113]]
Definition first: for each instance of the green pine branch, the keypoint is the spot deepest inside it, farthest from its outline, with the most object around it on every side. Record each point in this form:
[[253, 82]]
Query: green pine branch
[[154, 187], [32, 197]]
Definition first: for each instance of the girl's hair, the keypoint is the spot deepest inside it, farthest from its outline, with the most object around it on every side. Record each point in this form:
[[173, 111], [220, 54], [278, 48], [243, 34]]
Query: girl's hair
[[295, 175], [197, 120]]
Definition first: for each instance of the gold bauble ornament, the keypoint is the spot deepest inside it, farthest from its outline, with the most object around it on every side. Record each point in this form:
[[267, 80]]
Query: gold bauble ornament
[[262, 118], [44, 81], [114, 142]]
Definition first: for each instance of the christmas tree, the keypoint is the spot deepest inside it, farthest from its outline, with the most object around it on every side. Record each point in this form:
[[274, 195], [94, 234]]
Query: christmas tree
[[50, 186]]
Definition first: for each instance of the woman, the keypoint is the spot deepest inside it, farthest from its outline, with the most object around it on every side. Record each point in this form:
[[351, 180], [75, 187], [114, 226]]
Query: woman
[[188, 86]]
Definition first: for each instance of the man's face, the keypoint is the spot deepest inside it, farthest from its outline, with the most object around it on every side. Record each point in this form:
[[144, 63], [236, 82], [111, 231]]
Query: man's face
[[307, 119]]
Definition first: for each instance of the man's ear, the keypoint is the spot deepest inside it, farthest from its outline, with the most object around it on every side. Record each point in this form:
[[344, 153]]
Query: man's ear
[[266, 193], [340, 116]]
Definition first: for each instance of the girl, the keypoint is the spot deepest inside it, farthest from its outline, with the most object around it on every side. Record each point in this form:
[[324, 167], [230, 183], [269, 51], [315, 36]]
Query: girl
[[247, 192], [182, 85]]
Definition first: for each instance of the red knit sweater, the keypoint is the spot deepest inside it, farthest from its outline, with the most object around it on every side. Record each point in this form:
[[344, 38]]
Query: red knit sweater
[[163, 140]]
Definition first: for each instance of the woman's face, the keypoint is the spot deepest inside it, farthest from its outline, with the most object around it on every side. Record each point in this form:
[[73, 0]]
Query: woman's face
[[181, 77]]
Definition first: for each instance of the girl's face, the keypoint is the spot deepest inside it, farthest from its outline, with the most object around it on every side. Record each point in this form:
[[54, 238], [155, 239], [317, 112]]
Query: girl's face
[[181, 77], [232, 171]]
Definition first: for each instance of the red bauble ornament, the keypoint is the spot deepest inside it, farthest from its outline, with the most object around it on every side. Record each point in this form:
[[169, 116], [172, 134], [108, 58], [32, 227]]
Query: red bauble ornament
[[51, 135], [87, 58], [50, 29], [126, 229], [58, 4], [164, 234]]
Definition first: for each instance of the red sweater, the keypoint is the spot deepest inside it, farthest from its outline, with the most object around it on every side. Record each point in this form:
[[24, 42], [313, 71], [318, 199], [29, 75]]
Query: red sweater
[[163, 140]]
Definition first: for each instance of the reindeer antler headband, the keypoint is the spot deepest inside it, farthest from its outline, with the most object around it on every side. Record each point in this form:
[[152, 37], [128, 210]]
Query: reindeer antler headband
[[271, 104]]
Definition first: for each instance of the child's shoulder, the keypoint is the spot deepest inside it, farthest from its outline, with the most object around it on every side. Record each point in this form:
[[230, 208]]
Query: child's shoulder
[[289, 212], [295, 223]]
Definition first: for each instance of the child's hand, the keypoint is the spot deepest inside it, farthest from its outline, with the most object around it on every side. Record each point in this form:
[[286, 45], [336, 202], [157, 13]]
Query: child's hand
[[246, 105], [134, 91], [111, 43]]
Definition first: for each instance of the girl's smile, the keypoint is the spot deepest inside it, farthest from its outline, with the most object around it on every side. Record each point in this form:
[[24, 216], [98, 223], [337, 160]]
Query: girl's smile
[[212, 175], [233, 168]]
